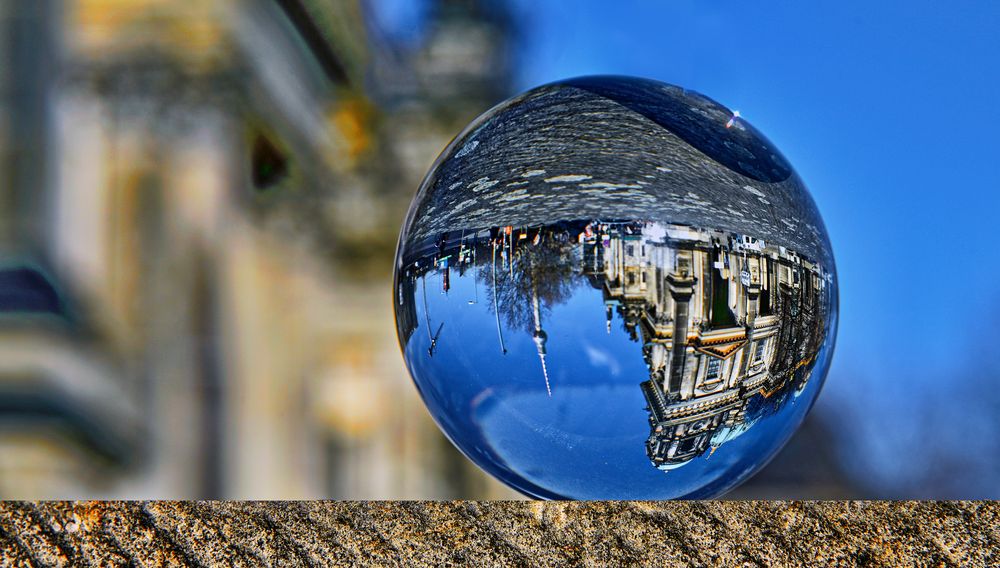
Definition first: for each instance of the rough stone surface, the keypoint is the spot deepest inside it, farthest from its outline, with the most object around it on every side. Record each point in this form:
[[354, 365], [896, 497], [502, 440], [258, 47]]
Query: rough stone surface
[[561, 153], [522, 533]]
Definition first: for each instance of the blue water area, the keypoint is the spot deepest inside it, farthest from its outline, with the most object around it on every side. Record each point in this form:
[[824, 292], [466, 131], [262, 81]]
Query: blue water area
[[587, 439]]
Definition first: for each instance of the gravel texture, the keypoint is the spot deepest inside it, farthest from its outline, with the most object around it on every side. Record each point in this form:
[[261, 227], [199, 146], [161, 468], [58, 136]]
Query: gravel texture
[[519, 533]]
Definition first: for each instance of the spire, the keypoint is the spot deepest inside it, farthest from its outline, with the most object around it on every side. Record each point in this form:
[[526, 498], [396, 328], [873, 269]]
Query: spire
[[539, 336], [540, 343]]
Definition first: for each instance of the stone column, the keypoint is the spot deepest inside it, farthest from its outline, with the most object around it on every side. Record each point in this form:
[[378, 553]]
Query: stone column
[[752, 289], [681, 289]]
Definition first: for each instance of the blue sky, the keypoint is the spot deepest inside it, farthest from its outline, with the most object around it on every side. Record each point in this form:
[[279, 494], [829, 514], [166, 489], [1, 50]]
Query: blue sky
[[889, 112], [496, 408]]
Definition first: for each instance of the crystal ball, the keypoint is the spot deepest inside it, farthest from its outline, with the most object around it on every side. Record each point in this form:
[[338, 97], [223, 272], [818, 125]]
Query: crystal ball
[[615, 288]]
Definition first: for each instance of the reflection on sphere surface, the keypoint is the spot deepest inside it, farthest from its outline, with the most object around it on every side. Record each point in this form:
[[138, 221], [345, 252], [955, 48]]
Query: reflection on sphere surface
[[613, 288]]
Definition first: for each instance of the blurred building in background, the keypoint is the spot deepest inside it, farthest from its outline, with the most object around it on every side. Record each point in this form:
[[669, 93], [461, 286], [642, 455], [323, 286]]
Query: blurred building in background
[[199, 204], [199, 207]]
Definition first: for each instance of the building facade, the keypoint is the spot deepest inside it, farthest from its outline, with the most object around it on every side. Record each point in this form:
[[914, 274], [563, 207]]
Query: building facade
[[722, 318], [195, 195]]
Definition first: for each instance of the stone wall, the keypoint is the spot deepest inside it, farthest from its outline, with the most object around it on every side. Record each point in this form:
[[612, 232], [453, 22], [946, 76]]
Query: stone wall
[[523, 533]]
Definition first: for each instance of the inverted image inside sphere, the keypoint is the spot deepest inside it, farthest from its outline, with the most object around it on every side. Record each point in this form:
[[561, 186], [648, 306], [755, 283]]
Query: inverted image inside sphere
[[614, 288]]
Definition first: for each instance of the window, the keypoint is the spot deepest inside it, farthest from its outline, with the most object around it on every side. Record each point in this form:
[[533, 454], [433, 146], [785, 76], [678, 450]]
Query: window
[[758, 355], [269, 165], [629, 250], [721, 315], [712, 372]]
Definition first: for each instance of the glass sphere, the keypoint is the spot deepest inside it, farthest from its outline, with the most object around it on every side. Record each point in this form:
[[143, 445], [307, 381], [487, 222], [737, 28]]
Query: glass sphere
[[615, 288]]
